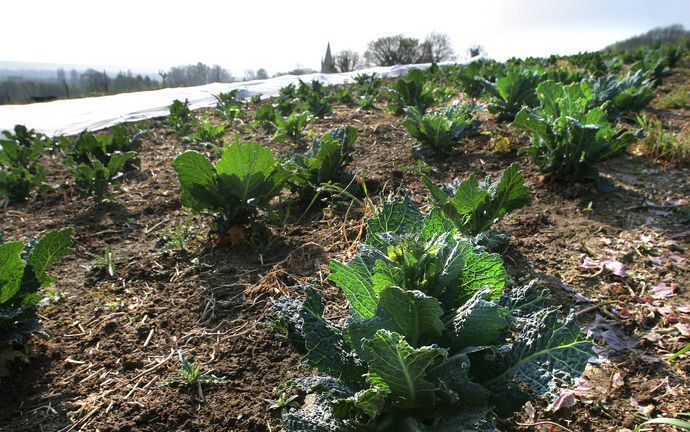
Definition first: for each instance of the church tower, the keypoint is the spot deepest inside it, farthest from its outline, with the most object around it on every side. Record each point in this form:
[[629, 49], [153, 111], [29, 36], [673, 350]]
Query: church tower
[[327, 64]]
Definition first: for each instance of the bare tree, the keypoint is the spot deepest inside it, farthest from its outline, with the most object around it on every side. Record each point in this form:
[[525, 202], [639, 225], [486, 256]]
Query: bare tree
[[392, 50], [95, 81], [436, 48], [261, 74], [163, 76], [249, 75], [347, 60]]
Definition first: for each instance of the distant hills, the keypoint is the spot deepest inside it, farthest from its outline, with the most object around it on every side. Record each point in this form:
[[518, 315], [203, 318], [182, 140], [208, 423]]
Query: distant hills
[[664, 35]]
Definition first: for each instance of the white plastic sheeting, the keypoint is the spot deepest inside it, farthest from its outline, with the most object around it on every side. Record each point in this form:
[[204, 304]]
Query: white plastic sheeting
[[71, 116]]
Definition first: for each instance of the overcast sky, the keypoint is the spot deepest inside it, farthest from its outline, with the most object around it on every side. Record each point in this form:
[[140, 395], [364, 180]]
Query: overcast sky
[[281, 35]]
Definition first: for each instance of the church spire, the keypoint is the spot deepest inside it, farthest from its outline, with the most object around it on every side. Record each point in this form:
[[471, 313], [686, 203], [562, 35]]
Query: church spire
[[327, 64]]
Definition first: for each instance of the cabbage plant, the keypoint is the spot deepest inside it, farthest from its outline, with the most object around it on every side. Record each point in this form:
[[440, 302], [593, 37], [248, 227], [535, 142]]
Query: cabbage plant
[[433, 344]]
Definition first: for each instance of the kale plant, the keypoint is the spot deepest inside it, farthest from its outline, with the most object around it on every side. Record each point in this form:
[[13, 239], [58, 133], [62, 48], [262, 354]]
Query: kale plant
[[99, 161], [325, 160], [441, 130], [569, 137], [181, 118], [291, 127], [241, 183], [432, 343], [627, 95], [94, 178], [101, 147], [228, 105], [22, 274], [20, 171], [264, 118], [314, 99], [287, 101], [474, 206], [511, 92], [411, 90], [368, 89], [208, 133], [466, 78]]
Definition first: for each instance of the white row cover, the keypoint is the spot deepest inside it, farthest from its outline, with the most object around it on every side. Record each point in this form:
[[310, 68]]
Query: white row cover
[[72, 116]]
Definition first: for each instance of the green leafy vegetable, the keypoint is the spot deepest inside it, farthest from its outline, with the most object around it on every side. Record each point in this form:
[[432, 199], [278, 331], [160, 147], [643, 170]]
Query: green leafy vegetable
[[548, 353], [474, 206], [627, 95], [95, 178], [443, 129], [181, 118], [466, 76], [568, 137], [368, 89], [264, 117], [325, 161], [411, 90], [314, 99], [243, 181], [23, 271], [102, 146], [20, 171], [432, 342], [511, 92], [228, 105], [208, 133], [290, 127]]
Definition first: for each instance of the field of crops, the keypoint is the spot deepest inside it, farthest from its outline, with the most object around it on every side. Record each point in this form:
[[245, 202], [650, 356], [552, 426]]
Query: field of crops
[[495, 246]]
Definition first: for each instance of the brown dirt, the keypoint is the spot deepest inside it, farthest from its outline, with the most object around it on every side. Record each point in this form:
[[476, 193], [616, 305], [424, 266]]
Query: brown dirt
[[112, 340]]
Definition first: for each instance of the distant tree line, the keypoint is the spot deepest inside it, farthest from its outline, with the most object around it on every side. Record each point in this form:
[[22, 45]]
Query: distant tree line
[[660, 35], [385, 51], [195, 75], [92, 82]]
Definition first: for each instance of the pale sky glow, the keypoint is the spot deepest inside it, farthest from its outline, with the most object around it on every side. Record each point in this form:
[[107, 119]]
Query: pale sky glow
[[281, 35]]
